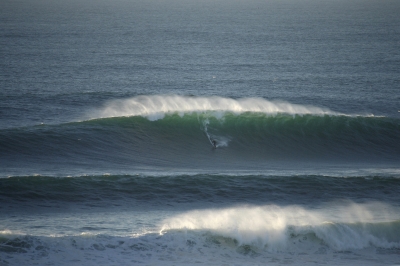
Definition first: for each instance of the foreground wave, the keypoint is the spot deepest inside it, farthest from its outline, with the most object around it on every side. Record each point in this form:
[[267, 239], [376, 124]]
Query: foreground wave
[[208, 218], [247, 234]]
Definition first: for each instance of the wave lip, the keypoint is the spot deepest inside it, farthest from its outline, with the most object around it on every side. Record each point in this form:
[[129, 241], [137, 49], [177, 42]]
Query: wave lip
[[154, 107]]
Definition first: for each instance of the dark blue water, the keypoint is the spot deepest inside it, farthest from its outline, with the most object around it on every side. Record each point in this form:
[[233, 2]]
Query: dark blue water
[[109, 111]]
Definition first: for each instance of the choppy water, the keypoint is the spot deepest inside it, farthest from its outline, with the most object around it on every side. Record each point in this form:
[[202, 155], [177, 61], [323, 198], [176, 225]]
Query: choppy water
[[109, 111]]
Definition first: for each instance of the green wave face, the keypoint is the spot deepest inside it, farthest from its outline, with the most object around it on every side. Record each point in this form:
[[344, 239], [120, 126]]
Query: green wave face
[[248, 140]]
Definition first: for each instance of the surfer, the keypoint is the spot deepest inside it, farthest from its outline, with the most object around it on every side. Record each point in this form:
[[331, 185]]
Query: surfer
[[214, 143]]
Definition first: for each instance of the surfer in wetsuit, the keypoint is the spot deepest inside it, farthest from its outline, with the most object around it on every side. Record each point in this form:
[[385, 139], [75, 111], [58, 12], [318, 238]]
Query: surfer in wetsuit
[[214, 143]]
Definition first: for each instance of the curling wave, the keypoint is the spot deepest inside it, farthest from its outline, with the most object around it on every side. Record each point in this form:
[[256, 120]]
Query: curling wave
[[180, 132]]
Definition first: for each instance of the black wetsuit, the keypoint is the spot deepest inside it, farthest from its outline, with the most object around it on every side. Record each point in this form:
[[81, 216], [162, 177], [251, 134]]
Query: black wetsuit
[[214, 143]]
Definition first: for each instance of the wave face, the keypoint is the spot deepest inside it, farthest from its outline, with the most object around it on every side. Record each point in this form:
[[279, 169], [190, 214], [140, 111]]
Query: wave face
[[171, 135]]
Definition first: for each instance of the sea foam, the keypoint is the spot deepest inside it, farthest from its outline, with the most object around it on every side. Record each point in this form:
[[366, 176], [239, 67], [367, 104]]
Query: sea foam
[[273, 227]]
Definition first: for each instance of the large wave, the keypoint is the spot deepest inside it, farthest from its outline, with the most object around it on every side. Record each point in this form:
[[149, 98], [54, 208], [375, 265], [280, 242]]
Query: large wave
[[179, 132]]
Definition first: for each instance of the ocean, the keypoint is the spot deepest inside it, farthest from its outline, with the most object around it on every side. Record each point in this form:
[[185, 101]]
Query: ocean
[[207, 132]]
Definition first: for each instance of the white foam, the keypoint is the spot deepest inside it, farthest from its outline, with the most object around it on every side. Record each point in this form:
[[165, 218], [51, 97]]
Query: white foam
[[270, 226], [264, 225], [155, 107], [9, 232]]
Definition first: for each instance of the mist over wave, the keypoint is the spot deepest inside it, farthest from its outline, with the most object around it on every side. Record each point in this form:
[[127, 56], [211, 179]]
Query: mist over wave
[[156, 106]]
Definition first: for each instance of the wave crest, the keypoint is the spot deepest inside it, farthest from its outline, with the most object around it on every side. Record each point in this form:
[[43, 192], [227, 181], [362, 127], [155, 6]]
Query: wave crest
[[155, 107]]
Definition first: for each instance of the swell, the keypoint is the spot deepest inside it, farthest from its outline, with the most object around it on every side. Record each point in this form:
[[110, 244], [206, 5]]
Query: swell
[[183, 140], [137, 190]]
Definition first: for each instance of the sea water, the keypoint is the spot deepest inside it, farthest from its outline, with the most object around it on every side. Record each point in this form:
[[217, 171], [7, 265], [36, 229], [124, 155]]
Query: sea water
[[109, 110]]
